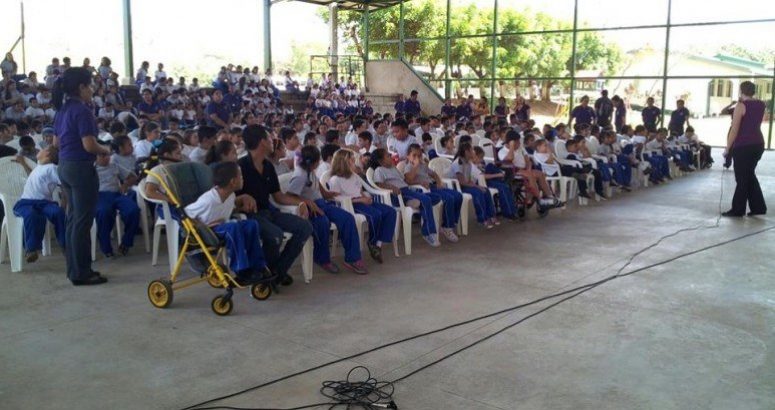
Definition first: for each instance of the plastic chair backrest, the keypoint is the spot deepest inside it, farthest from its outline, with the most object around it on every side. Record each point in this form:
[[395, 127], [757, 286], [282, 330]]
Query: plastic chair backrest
[[284, 180], [593, 145], [559, 149], [370, 176], [440, 166], [12, 182], [437, 143], [489, 149]]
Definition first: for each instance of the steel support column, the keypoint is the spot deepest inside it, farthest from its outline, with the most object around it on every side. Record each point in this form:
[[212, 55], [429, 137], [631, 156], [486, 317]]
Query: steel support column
[[665, 66], [447, 46], [573, 57], [129, 66], [493, 66], [267, 34], [401, 31]]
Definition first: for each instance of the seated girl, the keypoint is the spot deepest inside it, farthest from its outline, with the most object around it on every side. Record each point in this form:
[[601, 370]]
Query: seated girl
[[380, 217], [305, 186], [37, 205], [214, 208], [494, 177], [417, 172], [462, 170], [386, 176], [515, 162], [222, 151]]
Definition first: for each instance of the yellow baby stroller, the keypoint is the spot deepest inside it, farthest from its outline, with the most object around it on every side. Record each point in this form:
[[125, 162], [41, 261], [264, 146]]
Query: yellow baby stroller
[[204, 250]]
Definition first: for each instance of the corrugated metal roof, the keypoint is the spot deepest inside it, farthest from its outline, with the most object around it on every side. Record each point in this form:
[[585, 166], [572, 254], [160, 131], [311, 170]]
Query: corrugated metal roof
[[357, 5]]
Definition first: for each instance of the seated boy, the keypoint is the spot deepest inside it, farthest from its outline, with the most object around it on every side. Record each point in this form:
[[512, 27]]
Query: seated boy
[[206, 136], [37, 204], [115, 183], [365, 144], [214, 208], [326, 153]]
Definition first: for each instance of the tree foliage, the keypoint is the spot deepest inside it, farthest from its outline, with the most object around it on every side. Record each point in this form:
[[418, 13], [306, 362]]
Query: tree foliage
[[517, 55]]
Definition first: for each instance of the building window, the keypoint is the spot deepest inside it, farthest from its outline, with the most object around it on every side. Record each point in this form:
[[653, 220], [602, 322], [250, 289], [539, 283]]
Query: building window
[[721, 88]]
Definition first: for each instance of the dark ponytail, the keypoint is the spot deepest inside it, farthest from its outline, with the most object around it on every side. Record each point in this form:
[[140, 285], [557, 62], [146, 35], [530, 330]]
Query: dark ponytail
[[376, 157], [461, 152], [310, 155], [68, 85]]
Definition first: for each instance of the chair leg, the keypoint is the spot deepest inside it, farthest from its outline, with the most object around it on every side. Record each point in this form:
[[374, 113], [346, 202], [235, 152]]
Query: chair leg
[[172, 244], [464, 216], [3, 241], [156, 240], [407, 219], [15, 242], [46, 251], [396, 233], [93, 234], [119, 228], [306, 260], [144, 225]]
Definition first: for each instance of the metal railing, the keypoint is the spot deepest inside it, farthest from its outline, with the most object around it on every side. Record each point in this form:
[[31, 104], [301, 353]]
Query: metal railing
[[342, 65]]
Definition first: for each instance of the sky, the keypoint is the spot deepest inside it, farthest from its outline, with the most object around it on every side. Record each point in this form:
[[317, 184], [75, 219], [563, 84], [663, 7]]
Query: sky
[[203, 34]]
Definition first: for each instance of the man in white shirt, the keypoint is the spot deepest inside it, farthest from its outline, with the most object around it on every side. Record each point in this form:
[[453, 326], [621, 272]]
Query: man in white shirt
[[160, 74], [34, 111]]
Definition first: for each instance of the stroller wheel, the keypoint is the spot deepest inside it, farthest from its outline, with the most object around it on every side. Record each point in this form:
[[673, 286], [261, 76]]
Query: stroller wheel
[[160, 293], [212, 278], [221, 305], [261, 291]]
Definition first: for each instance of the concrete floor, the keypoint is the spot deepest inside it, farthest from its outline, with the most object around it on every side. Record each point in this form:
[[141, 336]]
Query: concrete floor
[[696, 333]]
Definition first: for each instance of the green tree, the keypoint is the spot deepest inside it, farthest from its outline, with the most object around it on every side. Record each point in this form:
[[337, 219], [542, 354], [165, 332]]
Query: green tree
[[529, 55]]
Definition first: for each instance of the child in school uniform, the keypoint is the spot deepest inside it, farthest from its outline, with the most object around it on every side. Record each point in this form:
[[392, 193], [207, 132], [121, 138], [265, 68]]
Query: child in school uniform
[[462, 170], [494, 177], [515, 162], [37, 205], [365, 144], [416, 172], [149, 133], [304, 185], [326, 153], [123, 154], [380, 217], [115, 183], [206, 138], [214, 208], [387, 176]]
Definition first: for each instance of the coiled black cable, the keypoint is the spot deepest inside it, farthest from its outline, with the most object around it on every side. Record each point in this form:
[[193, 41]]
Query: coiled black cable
[[576, 291]]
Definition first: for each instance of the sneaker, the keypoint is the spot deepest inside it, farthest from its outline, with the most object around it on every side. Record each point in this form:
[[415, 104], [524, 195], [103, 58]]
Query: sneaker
[[330, 267], [432, 240], [495, 221], [31, 256], [449, 234], [123, 250], [375, 252], [358, 267], [488, 225], [109, 256]]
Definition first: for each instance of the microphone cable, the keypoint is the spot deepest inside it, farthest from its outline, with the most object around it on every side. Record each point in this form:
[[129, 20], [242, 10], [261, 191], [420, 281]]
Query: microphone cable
[[569, 294]]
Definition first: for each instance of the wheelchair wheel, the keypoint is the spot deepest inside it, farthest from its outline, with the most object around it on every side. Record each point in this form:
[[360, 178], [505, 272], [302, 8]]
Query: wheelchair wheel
[[221, 306], [160, 293], [261, 291]]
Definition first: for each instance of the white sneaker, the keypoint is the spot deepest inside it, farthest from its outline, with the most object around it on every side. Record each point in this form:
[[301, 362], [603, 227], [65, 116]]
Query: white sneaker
[[449, 234], [432, 240]]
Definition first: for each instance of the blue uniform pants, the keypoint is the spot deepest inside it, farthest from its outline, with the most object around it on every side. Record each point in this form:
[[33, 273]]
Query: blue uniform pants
[[505, 198], [453, 201], [108, 203], [35, 213], [426, 208], [623, 172], [381, 219], [345, 224], [605, 172], [483, 203], [244, 245]]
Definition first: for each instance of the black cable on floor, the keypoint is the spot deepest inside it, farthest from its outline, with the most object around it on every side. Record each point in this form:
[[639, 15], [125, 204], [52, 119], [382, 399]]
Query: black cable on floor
[[579, 290]]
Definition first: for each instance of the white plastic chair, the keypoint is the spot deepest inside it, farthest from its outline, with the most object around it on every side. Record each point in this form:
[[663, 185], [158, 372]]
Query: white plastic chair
[[406, 211], [12, 230], [441, 167], [93, 232], [489, 150], [143, 218], [561, 153], [360, 220], [166, 222]]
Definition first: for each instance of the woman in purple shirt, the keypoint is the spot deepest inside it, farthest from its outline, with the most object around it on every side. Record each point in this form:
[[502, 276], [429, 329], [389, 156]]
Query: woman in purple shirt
[[77, 131], [745, 143]]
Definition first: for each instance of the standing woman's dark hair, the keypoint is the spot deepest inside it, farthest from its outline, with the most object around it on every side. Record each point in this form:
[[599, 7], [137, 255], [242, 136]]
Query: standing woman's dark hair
[[77, 131]]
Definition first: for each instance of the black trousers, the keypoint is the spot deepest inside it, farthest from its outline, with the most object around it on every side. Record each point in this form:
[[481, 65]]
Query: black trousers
[[748, 191]]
